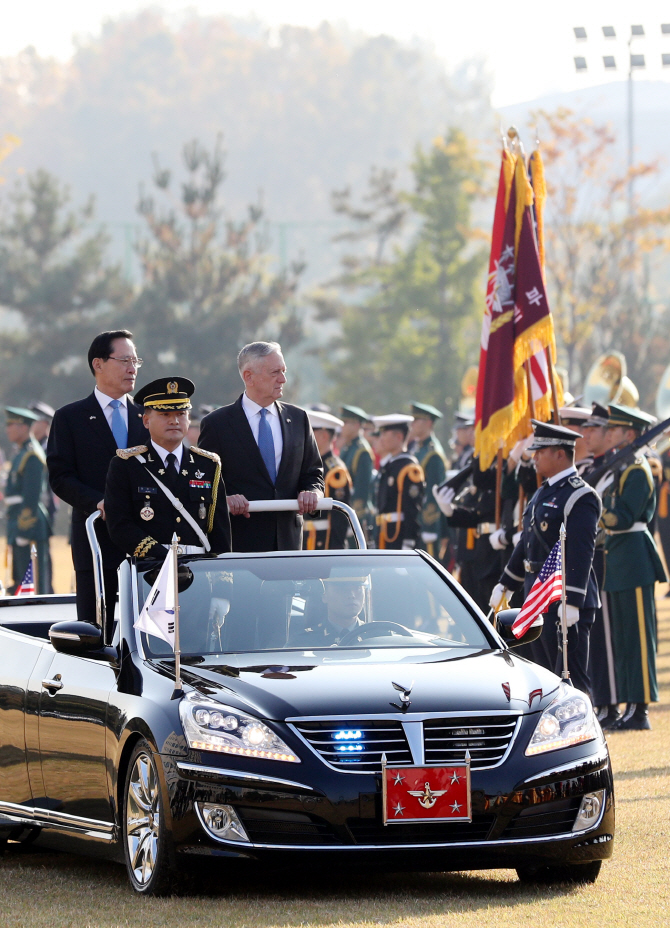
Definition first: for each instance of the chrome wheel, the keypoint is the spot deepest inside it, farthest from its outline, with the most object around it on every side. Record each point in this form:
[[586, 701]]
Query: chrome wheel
[[143, 815]]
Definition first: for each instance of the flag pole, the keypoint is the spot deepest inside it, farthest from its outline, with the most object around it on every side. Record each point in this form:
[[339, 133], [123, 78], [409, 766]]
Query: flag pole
[[499, 471], [174, 548], [33, 561], [564, 618]]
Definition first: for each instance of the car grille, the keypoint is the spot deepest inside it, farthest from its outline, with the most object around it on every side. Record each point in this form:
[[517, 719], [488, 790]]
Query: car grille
[[549, 818], [362, 751], [271, 826], [487, 739], [365, 831]]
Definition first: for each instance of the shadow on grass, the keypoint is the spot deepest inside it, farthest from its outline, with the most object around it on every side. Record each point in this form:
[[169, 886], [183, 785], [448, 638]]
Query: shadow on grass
[[647, 772]]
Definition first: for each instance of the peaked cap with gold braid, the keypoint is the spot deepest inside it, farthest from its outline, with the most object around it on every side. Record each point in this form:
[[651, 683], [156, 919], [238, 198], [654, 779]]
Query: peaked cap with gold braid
[[166, 393]]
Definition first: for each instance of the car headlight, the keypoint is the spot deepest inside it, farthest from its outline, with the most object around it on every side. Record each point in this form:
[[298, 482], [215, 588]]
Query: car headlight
[[568, 720], [211, 726]]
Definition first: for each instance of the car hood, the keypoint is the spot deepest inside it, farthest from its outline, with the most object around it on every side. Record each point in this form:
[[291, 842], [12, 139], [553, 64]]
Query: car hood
[[351, 683]]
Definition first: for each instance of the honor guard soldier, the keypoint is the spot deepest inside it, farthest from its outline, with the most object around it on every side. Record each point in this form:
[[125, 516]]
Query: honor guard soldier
[[429, 453], [463, 440], [632, 567], [564, 498], [358, 458], [575, 418], [27, 518], [328, 531], [401, 486], [156, 490]]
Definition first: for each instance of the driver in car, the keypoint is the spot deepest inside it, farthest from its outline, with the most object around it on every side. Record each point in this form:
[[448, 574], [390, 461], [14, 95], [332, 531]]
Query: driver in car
[[342, 601]]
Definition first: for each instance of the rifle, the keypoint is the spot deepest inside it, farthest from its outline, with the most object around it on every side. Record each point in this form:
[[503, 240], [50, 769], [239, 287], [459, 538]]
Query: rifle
[[458, 479], [629, 451]]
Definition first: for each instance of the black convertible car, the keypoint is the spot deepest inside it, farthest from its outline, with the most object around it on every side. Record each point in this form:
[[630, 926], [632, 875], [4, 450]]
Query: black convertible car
[[352, 707]]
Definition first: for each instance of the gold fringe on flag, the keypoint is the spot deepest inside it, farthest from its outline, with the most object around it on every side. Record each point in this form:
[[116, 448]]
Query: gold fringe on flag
[[536, 165]]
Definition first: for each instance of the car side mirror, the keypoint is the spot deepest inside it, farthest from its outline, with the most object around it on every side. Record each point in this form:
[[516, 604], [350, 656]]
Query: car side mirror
[[504, 621], [82, 639]]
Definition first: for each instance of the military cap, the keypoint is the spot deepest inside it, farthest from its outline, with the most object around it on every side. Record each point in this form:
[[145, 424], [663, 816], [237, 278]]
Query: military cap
[[43, 410], [425, 411], [463, 420], [348, 575], [628, 418], [354, 412], [323, 420], [19, 415], [548, 435], [574, 415], [598, 418], [393, 420], [318, 407], [166, 393]]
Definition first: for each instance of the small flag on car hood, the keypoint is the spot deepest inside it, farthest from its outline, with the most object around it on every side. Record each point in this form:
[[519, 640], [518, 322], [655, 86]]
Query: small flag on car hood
[[157, 615]]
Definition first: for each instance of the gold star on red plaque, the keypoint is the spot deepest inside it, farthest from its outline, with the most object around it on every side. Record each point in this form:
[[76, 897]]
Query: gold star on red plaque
[[398, 779], [398, 810], [456, 807]]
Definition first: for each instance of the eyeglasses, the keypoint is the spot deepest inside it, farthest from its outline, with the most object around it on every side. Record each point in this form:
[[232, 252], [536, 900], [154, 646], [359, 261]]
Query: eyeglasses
[[136, 362]]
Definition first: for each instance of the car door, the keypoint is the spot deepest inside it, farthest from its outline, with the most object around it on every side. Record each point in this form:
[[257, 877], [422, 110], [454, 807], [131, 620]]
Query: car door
[[72, 736]]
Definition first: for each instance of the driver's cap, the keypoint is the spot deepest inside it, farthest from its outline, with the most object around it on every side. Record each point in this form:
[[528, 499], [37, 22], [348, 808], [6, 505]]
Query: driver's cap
[[348, 575]]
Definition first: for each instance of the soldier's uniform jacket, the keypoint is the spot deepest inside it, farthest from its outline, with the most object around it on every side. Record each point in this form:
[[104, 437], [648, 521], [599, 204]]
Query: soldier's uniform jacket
[[631, 558], [321, 634], [474, 514], [328, 531], [430, 455], [399, 497], [357, 458], [139, 515], [570, 501], [26, 514]]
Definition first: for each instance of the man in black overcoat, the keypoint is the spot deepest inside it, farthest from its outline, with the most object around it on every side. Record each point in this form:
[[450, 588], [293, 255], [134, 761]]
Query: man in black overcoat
[[83, 440], [267, 451]]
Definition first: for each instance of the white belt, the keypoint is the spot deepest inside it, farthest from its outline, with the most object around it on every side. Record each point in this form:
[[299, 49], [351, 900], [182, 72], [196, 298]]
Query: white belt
[[188, 549], [392, 516], [13, 500], [485, 528], [635, 527], [320, 525]]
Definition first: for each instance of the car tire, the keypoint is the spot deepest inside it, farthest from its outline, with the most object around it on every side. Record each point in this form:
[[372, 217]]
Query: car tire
[[146, 840], [566, 873]]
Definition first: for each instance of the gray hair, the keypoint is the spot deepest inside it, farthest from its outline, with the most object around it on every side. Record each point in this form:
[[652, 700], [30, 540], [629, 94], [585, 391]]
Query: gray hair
[[254, 351]]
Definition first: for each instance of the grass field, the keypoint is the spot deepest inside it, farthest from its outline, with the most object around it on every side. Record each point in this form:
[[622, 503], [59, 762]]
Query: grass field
[[39, 890]]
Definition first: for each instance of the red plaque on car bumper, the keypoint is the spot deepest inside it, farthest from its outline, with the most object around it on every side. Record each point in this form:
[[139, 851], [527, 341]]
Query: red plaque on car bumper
[[426, 794]]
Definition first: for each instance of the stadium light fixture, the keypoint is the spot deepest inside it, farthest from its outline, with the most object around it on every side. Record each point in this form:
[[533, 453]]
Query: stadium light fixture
[[637, 30], [580, 64], [580, 33], [637, 61], [665, 28], [609, 32], [609, 61]]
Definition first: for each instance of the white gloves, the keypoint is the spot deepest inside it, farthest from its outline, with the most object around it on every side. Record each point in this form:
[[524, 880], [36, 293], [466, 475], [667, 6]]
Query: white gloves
[[517, 451], [444, 499], [428, 537], [516, 538], [571, 614], [22, 542], [497, 596], [498, 539]]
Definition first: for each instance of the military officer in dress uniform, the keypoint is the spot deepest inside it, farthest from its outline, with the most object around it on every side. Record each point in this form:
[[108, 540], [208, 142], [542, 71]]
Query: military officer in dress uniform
[[357, 457], [632, 567], [325, 531], [27, 518], [40, 431], [156, 490], [428, 451], [401, 486], [564, 498], [336, 613], [575, 418]]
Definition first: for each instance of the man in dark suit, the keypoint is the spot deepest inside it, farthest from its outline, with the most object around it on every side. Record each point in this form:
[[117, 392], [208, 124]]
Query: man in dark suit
[[83, 440], [267, 451]]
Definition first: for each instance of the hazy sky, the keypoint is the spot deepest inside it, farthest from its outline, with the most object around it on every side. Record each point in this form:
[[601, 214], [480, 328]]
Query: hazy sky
[[528, 44]]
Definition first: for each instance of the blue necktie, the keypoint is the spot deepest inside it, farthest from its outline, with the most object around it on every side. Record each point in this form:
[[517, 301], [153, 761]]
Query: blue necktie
[[119, 427], [266, 444]]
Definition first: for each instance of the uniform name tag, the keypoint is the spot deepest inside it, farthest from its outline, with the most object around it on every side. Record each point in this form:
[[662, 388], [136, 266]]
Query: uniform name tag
[[201, 484], [147, 489]]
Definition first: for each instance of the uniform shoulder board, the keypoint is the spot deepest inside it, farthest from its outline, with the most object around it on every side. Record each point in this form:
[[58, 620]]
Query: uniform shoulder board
[[206, 454], [126, 453], [575, 481]]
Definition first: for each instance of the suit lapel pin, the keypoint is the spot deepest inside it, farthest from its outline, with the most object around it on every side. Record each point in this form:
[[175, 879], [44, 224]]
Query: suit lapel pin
[[91, 417], [161, 470], [288, 420]]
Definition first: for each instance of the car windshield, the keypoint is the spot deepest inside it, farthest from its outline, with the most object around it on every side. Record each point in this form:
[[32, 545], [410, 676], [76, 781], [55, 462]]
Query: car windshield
[[280, 603]]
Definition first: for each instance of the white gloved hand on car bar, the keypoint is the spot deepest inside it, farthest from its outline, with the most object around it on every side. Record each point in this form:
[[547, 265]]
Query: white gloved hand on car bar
[[444, 499]]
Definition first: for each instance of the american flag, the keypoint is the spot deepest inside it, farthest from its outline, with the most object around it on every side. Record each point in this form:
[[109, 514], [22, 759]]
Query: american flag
[[546, 590], [27, 585]]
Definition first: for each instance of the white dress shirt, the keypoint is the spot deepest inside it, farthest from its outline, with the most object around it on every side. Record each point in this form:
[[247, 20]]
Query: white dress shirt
[[163, 453], [253, 413], [105, 400], [568, 472]]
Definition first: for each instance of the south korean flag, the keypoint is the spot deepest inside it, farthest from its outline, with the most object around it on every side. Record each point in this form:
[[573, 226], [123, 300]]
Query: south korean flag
[[157, 617]]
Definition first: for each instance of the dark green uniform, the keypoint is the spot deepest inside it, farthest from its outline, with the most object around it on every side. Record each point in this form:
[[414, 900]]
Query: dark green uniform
[[430, 455], [141, 518], [632, 567], [27, 519], [357, 458], [328, 531]]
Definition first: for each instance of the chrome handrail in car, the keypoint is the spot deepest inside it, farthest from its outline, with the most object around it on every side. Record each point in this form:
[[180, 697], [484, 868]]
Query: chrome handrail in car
[[98, 576], [325, 505]]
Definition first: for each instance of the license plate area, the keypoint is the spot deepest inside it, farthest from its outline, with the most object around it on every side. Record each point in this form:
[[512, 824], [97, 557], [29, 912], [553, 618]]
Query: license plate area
[[426, 794]]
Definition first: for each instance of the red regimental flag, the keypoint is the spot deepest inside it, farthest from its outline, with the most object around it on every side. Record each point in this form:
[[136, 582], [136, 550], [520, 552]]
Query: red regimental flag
[[427, 794]]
